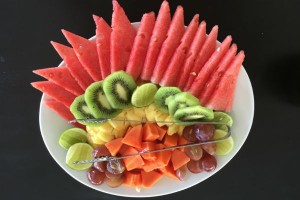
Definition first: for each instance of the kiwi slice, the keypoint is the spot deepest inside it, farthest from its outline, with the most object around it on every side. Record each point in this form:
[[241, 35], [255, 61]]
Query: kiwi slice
[[118, 88], [80, 110], [144, 95], [72, 136], [162, 94], [97, 102], [181, 100], [193, 113]]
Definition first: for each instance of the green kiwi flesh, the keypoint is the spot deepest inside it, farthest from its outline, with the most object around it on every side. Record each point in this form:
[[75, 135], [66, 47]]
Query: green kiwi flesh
[[181, 100], [98, 103], [162, 94], [193, 113], [118, 88]]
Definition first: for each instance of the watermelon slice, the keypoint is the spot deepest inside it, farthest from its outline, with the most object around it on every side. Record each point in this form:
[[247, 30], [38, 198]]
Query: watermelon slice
[[62, 77], [103, 32], [122, 38], [73, 64], [171, 75], [209, 67], [169, 46], [140, 46], [223, 96], [56, 92], [206, 51], [214, 79], [86, 52], [192, 54], [62, 111], [158, 37]]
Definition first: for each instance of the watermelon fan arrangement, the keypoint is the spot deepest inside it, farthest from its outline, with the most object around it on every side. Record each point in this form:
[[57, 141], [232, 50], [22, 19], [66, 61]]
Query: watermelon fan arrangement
[[160, 71]]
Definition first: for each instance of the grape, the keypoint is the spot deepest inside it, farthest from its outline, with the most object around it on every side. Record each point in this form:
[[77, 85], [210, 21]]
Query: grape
[[210, 148], [101, 166], [194, 166], [204, 132], [181, 172], [194, 152], [208, 162], [115, 166], [112, 176], [95, 177], [101, 151], [115, 182], [189, 134]]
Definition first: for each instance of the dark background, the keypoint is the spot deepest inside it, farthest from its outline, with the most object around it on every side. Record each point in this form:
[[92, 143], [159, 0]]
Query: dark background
[[267, 167]]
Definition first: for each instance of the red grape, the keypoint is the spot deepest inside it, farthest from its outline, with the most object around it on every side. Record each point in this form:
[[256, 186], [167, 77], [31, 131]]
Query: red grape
[[101, 151], [101, 166], [204, 132], [208, 162], [181, 172], [189, 134], [194, 166], [115, 166], [210, 148], [194, 152], [115, 182], [112, 176], [95, 177]]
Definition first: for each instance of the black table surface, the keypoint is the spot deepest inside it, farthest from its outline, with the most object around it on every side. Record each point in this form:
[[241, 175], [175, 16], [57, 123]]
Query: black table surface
[[267, 166]]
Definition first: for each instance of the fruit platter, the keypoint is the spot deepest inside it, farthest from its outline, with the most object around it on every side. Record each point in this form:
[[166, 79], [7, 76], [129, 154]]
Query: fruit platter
[[154, 84]]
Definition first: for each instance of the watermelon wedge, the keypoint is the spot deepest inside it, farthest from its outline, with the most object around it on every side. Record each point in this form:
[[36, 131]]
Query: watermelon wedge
[[171, 76], [169, 46], [56, 92], [103, 32], [62, 111], [86, 52], [74, 66], [158, 37], [206, 51], [140, 45], [62, 77], [216, 76], [122, 38], [209, 67], [223, 95], [192, 54]]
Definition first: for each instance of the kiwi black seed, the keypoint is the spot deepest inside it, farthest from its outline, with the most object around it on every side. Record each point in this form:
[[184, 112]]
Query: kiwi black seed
[[181, 100], [162, 94], [193, 113], [97, 102], [118, 88], [80, 110]]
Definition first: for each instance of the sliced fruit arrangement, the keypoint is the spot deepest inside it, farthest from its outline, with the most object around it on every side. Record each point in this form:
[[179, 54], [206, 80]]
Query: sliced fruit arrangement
[[158, 72]]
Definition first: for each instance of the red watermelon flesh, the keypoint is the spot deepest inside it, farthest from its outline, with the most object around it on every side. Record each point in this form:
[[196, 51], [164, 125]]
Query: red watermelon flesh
[[61, 110], [216, 76], [103, 32], [223, 95], [86, 52], [169, 46], [209, 67], [192, 54], [158, 37], [73, 65], [206, 51], [122, 38], [56, 92], [140, 45], [62, 77], [171, 76]]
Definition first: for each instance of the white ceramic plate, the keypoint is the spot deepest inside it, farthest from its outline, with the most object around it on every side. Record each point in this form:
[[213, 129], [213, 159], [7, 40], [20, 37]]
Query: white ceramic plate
[[52, 126]]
